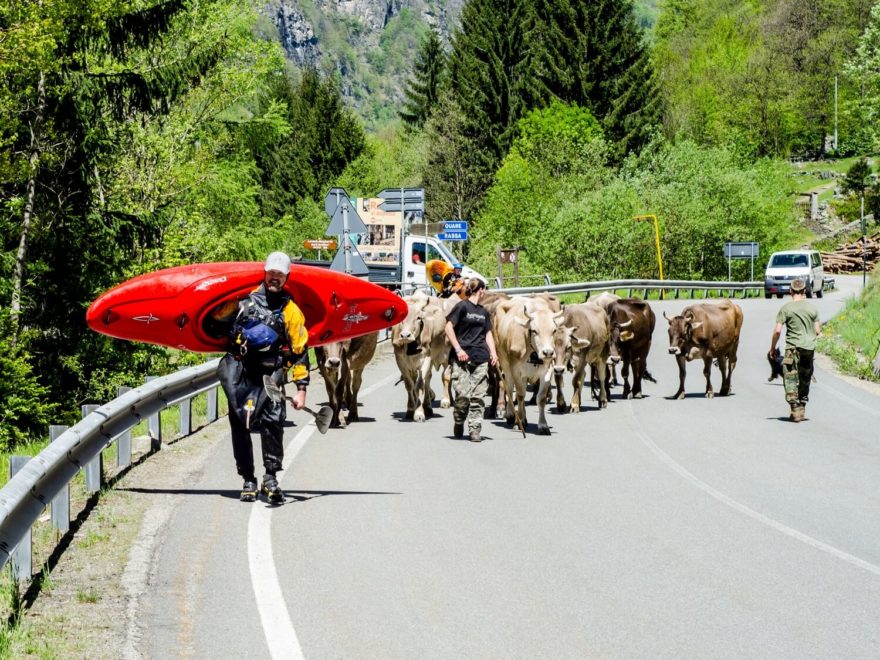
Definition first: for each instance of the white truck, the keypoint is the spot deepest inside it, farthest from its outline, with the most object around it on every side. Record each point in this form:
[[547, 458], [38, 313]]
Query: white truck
[[390, 252]]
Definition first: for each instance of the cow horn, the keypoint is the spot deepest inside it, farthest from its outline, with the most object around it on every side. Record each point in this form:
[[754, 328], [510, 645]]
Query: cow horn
[[696, 325], [625, 324]]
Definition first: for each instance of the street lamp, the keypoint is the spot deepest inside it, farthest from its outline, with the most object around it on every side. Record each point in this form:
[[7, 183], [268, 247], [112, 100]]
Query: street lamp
[[651, 216]]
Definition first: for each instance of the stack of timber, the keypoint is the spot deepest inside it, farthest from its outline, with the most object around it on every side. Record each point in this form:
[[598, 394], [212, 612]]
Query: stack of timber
[[848, 258]]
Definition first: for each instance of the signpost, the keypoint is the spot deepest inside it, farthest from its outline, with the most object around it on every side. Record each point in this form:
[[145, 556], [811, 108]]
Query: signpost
[[344, 221], [405, 200], [746, 250], [320, 244]]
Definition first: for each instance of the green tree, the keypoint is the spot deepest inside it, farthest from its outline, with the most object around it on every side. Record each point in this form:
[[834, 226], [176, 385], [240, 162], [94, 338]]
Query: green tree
[[423, 87], [863, 69], [592, 54], [490, 75], [324, 138]]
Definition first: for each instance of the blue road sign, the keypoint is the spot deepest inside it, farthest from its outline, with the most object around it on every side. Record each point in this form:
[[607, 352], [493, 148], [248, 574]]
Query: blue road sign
[[455, 225], [453, 236]]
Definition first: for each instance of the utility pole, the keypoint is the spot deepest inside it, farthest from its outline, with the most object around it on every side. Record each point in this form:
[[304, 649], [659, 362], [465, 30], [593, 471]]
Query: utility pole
[[835, 113]]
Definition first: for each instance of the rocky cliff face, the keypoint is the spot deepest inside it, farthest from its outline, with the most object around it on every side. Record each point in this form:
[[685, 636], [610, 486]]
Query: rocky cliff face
[[370, 44]]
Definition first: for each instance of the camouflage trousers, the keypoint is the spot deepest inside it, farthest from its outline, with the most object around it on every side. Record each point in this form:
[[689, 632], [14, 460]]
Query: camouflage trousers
[[470, 384], [797, 372]]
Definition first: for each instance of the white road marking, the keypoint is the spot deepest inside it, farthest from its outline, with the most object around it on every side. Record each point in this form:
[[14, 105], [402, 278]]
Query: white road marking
[[840, 395], [280, 634], [742, 508]]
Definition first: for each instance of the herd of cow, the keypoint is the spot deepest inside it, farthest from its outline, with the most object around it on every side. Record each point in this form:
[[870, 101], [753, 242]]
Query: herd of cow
[[538, 339]]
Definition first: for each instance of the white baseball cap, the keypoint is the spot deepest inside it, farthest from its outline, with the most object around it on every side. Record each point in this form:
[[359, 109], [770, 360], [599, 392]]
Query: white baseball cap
[[278, 261]]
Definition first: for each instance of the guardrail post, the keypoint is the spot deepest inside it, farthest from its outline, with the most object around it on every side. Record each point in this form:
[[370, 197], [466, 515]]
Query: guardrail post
[[123, 440], [94, 469], [60, 506], [212, 405], [154, 425], [185, 416], [21, 557]]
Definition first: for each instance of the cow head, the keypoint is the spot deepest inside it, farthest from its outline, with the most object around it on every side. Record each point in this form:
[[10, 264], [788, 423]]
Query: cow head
[[680, 330], [333, 354], [564, 343], [542, 325], [621, 332], [410, 328]]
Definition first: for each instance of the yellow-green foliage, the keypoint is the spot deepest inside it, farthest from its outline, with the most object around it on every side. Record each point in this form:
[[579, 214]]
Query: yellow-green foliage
[[853, 336]]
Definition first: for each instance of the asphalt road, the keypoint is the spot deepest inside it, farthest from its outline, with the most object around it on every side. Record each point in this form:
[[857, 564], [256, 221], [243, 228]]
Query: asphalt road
[[652, 529]]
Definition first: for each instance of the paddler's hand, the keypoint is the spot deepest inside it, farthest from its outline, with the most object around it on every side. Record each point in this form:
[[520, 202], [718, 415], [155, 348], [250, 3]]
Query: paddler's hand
[[299, 400]]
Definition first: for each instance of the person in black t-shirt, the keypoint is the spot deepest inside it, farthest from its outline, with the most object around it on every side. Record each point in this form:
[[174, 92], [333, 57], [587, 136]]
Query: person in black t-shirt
[[469, 329]]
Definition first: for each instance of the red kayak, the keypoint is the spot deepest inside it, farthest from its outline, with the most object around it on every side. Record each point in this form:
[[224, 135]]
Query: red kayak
[[172, 307]]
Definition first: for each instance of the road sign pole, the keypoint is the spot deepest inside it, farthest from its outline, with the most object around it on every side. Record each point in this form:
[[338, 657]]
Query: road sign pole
[[346, 239]]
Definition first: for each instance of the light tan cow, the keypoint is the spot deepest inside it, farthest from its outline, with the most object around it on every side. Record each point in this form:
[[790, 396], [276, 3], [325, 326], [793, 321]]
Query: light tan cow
[[583, 341], [420, 346], [342, 365], [525, 330]]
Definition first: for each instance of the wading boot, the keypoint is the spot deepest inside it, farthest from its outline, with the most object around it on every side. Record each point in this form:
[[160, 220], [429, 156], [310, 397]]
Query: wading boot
[[249, 491], [272, 491]]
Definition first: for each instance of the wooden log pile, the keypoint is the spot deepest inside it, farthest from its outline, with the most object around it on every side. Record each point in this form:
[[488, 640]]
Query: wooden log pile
[[848, 258]]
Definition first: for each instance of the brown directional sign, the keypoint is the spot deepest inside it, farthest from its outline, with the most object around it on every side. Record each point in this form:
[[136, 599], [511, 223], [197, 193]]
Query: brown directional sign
[[320, 244]]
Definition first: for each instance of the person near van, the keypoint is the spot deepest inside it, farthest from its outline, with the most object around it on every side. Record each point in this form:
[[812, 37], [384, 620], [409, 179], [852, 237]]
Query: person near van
[[801, 322], [268, 337], [469, 329]]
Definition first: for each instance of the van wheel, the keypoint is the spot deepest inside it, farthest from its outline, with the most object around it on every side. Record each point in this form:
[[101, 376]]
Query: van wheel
[[820, 291], [768, 295], [779, 295]]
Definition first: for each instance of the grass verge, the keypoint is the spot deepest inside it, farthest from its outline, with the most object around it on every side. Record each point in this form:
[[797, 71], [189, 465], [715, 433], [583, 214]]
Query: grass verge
[[852, 337]]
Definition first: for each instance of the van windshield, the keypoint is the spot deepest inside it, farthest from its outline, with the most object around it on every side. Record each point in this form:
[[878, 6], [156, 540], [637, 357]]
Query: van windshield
[[785, 260]]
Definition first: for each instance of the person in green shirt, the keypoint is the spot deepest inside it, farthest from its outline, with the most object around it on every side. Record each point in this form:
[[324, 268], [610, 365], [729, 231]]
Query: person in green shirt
[[801, 322]]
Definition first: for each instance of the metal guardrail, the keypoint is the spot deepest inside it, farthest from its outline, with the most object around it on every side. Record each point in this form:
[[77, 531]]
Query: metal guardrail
[[644, 285], [41, 479]]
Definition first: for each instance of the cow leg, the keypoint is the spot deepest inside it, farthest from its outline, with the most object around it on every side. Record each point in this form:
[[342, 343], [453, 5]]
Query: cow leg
[[544, 385], [357, 377], [509, 399], [494, 387], [707, 372], [560, 395], [731, 365], [638, 369], [724, 368], [624, 373], [446, 375], [339, 399], [681, 373], [602, 375], [424, 403], [577, 384]]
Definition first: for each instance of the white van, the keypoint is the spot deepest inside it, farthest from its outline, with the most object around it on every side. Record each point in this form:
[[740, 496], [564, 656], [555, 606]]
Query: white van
[[783, 267]]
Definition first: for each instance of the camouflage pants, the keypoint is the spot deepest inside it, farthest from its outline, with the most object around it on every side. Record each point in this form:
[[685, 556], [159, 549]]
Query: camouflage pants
[[797, 372], [469, 386]]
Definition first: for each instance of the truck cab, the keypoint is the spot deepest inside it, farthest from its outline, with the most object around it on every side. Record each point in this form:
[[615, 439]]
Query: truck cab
[[419, 250]]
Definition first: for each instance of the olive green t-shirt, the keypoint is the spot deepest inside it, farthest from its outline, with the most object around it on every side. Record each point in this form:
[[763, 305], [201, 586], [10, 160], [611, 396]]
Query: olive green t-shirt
[[799, 318]]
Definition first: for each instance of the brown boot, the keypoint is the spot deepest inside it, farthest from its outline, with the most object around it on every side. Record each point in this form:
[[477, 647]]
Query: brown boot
[[476, 437], [797, 414]]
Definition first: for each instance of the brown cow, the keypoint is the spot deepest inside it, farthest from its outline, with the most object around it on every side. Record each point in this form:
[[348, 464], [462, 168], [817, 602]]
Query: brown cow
[[708, 331], [632, 325], [420, 346], [584, 340], [342, 367], [524, 333]]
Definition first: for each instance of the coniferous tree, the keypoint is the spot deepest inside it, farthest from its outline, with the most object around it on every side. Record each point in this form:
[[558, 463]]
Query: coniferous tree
[[490, 82], [324, 138], [592, 54], [423, 88]]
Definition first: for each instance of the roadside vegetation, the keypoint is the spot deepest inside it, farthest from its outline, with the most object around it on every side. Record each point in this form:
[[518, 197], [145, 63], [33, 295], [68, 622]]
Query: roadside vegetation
[[852, 338]]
